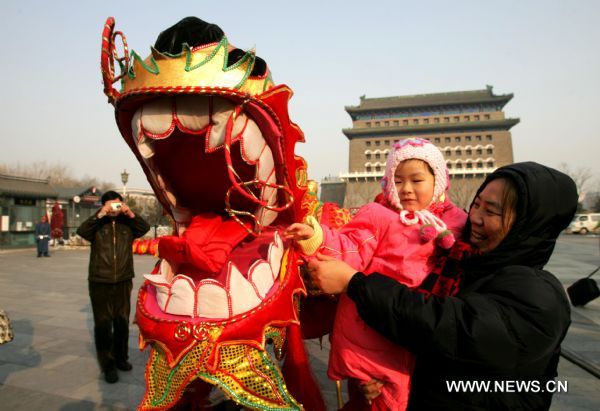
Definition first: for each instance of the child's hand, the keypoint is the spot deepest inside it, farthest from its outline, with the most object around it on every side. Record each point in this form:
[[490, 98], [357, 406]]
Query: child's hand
[[298, 231]]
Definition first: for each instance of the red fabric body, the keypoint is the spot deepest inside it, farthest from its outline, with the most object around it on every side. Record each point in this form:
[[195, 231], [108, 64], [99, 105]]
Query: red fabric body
[[205, 244]]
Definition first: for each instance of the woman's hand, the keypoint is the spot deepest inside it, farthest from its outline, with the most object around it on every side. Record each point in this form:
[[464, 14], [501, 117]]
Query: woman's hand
[[298, 231], [330, 275], [371, 389]]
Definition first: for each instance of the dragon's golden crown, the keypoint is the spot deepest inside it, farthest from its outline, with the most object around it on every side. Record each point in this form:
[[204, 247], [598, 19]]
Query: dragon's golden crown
[[193, 70]]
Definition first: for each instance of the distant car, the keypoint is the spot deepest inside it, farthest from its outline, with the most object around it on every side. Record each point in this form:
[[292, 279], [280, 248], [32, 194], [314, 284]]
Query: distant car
[[585, 223]]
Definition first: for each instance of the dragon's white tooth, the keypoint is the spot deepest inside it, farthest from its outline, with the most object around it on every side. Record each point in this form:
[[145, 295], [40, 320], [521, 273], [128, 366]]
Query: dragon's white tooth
[[182, 296], [222, 110], [268, 194], [266, 217], [278, 241], [212, 301], [193, 112], [253, 142], [238, 125], [136, 125], [275, 255], [162, 296], [266, 167], [165, 191], [171, 198], [144, 146], [261, 276], [160, 181], [243, 295], [157, 279], [157, 118], [167, 270]]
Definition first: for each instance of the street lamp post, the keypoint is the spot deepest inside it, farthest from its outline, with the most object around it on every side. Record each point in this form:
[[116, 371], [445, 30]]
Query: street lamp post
[[124, 178]]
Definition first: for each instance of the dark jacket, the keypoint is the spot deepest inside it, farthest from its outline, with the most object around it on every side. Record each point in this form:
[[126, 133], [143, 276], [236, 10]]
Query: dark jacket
[[42, 229], [508, 319], [111, 257]]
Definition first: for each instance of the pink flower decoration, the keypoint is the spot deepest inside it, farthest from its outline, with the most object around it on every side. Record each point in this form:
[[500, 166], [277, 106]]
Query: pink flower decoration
[[427, 233], [446, 239]]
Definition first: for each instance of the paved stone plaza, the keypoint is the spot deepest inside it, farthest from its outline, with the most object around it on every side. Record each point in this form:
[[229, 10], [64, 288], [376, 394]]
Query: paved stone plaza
[[51, 363]]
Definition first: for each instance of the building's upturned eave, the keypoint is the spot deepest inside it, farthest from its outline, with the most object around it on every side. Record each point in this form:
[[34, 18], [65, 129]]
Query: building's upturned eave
[[429, 100], [505, 124]]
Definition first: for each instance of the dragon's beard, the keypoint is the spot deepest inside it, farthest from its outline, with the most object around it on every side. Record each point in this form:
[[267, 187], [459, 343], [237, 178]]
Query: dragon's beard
[[184, 143]]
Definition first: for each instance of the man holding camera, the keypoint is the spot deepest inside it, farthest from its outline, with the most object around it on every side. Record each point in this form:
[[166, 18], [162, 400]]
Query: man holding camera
[[111, 232]]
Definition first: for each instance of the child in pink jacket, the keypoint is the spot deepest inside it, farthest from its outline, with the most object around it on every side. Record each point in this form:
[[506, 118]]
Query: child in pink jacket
[[396, 239]]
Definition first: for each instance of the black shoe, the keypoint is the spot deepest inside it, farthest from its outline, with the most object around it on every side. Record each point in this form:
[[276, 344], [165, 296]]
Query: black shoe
[[46, 255], [111, 376], [39, 255], [124, 366]]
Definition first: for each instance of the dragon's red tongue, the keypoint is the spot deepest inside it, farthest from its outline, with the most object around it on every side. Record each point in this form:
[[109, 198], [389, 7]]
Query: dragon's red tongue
[[205, 244]]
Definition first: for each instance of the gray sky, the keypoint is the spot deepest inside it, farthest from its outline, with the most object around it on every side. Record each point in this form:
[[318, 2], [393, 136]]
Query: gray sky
[[329, 53]]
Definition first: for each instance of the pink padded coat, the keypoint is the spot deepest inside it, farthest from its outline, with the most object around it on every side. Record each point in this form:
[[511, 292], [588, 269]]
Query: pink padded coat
[[376, 240]]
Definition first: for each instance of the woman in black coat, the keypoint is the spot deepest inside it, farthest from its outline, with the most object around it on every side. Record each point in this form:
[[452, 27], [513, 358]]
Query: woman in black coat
[[502, 331]]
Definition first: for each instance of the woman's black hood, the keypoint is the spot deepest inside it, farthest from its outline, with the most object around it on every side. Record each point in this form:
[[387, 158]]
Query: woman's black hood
[[546, 204]]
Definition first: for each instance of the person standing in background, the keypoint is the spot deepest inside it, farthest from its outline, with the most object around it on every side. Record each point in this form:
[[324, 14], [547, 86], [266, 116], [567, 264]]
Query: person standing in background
[[42, 236], [111, 232]]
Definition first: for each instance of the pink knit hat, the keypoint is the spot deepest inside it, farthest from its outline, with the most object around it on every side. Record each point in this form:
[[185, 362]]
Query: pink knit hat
[[415, 149], [431, 226]]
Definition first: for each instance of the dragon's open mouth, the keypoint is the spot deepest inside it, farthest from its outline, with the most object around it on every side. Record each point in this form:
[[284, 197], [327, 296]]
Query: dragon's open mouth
[[194, 147]]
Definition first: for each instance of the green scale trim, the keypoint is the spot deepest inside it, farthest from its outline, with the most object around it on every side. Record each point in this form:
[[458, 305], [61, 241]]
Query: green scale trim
[[224, 43], [293, 405], [156, 402]]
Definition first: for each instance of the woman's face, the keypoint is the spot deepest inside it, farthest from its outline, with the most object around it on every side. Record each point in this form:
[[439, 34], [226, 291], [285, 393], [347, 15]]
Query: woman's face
[[415, 183], [488, 228]]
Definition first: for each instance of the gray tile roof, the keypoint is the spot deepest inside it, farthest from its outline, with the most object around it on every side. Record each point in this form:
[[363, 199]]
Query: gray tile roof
[[28, 187], [435, 99]]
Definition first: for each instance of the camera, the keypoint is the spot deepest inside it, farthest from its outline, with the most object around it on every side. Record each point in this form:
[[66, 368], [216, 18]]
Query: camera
[[116, 206]]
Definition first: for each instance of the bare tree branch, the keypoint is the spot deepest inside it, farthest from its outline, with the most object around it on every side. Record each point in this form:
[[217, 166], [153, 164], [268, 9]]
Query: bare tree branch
[[59, 175]]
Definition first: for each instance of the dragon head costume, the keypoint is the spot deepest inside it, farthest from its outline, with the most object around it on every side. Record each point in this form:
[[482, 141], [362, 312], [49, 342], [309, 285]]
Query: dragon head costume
[[212, 133]]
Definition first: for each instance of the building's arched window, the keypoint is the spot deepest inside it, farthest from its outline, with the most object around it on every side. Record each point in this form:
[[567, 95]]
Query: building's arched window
[[368, 169], [369, 156], [378, 168]]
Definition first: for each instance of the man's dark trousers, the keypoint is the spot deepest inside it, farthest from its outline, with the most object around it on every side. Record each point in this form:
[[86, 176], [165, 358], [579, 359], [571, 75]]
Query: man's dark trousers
[[111, 304]]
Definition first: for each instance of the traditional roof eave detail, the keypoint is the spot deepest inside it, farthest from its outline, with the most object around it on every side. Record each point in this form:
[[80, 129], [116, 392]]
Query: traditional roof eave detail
[[429, 100], [505, 124]]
